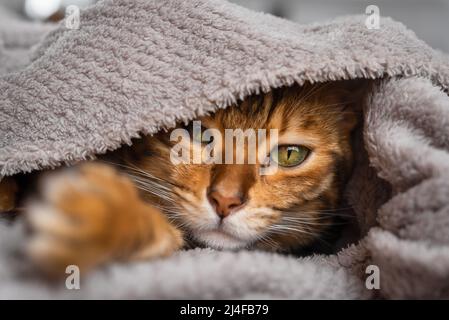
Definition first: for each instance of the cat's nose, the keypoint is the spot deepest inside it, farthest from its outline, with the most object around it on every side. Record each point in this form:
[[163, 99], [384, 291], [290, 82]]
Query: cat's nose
[[225, 205]]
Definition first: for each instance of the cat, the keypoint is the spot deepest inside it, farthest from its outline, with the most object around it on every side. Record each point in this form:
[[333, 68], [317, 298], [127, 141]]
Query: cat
[[135, 203]]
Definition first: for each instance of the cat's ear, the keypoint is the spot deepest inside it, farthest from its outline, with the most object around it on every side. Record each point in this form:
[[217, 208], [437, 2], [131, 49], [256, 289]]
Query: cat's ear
[[350, 118], [350, 96]]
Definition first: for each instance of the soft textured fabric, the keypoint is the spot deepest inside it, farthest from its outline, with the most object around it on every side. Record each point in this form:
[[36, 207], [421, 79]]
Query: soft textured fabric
[[137, 66]]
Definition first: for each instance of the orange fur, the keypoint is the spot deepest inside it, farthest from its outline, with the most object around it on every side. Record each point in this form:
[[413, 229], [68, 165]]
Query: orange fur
[[321, 116], [144, 207]]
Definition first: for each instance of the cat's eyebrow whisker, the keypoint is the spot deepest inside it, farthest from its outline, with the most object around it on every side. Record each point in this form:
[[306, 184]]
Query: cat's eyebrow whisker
[[313, 90]]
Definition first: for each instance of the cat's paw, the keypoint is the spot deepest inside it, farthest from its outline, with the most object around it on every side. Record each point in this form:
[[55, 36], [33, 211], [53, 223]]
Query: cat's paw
[[91, 215]]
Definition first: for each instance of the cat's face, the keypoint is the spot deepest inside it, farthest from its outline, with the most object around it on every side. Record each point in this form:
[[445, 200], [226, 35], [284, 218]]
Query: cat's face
[[229, 206]]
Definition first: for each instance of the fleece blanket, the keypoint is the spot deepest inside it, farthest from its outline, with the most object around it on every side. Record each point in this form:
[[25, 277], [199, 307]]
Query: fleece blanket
[[136, 66]]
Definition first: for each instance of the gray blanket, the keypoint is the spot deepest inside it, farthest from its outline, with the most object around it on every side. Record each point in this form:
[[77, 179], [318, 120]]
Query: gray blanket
[[134, 67]]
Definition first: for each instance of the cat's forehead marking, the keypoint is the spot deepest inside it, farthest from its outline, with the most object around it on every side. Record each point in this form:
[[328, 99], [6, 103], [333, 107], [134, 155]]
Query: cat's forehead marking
[[260, 112], [278, 110]]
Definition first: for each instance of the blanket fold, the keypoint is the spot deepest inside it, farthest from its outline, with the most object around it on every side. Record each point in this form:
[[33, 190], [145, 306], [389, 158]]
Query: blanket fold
[[136, 67]]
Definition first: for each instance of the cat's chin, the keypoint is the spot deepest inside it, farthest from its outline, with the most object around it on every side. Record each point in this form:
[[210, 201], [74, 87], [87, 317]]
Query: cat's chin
[[217, 239]]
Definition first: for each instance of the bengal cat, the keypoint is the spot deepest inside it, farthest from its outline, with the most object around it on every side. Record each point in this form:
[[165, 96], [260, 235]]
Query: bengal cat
[[135, 203]]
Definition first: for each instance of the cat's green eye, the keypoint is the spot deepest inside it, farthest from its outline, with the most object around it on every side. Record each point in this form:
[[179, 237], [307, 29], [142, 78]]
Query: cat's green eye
[[289, 156]]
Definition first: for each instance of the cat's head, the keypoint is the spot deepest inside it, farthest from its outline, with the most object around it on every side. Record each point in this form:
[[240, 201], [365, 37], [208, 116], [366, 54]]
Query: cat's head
[[231, 206]]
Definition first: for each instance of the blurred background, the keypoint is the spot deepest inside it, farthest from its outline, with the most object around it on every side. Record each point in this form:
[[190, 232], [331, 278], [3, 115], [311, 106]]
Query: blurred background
[[428, 18]]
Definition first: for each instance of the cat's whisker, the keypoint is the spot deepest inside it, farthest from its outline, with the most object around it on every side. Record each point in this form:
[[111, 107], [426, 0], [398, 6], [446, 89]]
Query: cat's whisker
[[151, 187], [311, 216], [178, 224], [171, 212], [267, 241], [136, 170], [318, 210], [137, 178], [302, 219], [313, 224], [303, 223], [149, 183], [283, 230], [320, 214], [290, 229], [155, 192]]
